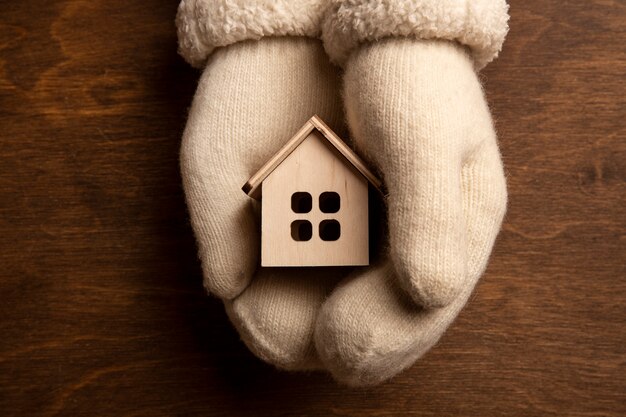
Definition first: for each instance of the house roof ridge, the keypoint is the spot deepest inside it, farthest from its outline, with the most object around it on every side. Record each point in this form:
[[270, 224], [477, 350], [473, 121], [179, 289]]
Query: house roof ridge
[[253, 186]]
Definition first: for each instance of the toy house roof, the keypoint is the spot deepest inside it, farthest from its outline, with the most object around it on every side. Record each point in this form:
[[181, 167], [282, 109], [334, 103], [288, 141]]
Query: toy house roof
[[253, 186]]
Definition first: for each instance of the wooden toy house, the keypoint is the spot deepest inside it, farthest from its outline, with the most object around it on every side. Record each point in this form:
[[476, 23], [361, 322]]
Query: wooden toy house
[[314, 194]]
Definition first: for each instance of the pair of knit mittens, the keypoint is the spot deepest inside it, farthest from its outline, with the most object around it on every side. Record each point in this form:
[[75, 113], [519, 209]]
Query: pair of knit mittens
[[406, 89]]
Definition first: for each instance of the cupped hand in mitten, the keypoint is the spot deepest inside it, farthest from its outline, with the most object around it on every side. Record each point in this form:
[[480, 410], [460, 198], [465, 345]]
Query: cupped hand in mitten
[[252, 97], [417, 111]]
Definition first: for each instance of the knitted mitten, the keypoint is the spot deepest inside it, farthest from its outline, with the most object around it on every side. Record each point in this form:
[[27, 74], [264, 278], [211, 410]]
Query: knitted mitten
[[266, 79], [417, 112]]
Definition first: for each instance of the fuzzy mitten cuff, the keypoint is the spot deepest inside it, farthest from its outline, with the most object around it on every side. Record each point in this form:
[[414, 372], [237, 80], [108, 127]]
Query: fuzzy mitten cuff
[[204, 25], [480, 25]]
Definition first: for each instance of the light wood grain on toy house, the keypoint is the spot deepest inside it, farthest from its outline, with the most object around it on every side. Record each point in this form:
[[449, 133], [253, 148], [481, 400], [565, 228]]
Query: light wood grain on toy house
[[315, 201]]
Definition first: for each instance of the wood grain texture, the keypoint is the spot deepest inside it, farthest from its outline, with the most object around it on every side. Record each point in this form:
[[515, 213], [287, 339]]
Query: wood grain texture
[[102, 309], [315, 167]]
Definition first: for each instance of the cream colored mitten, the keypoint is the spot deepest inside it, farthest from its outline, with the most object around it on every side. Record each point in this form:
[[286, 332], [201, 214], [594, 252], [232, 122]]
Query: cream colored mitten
[[265, 74], [416, 110]]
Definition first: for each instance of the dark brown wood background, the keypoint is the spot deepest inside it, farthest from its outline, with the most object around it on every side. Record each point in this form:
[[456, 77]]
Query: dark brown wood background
[[102, 311]]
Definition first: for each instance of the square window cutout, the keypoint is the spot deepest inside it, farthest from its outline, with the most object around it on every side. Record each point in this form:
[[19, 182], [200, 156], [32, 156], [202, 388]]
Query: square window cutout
[[301, 230], [330, 202], [301, 202], [330, 230]]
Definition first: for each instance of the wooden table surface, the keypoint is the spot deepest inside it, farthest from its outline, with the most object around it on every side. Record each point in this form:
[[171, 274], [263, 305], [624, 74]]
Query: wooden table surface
[[102, 310]]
